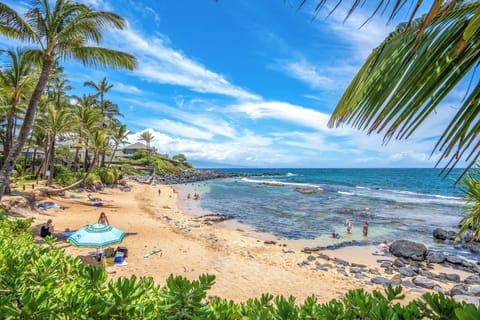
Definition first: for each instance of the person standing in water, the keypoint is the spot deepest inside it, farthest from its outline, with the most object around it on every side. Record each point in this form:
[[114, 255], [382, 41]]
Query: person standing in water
[[349, 225], [365, 229]]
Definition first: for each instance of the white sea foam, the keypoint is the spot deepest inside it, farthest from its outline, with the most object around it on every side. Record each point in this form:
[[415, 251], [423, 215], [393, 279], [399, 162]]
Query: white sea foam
[[283, 183], [346, 193], [402, 196]]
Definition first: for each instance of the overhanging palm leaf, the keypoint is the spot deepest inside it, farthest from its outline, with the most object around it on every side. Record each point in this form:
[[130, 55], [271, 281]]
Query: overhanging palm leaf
[[409, 74]]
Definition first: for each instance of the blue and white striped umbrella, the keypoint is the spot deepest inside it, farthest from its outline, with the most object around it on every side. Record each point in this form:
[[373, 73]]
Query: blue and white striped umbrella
[[96, 236]]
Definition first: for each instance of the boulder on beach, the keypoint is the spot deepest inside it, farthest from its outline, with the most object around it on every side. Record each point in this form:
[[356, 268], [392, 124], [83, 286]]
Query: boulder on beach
[[408, 249]]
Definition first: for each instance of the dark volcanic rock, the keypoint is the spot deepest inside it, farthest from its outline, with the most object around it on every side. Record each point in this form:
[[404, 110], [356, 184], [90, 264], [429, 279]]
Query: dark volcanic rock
[[424, 282], [407, 272], [455, 259], [473, 279], [435, 257], [380, 280], [442, 234], [408, 249]]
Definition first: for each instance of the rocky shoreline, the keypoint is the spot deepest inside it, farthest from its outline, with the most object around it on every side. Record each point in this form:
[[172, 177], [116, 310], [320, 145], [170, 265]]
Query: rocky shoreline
[[193, 176], [410, 265]]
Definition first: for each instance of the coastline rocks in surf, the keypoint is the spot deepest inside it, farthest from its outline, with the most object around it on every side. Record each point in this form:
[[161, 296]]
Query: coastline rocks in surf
[[308, 191], [442, 234], [408, 249], [214, 218], [192, 176]]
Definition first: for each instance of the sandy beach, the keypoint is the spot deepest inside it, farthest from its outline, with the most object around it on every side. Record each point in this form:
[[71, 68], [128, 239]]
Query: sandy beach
[[245, 264]]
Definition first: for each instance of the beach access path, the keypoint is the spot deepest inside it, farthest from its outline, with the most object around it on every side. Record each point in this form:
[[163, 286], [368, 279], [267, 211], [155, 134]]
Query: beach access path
[[244, 266]]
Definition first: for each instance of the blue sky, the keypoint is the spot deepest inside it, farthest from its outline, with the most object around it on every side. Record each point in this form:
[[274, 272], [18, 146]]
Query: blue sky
[[248, 83]]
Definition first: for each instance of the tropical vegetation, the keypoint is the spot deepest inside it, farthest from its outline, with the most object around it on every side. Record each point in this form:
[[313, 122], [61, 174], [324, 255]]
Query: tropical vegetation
[[42, 282], [406, 78], [54, 33]]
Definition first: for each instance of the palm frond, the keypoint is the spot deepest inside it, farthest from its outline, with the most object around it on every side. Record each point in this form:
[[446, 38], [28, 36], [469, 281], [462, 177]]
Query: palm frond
[[96, 56], [13, 25], [404, 80]]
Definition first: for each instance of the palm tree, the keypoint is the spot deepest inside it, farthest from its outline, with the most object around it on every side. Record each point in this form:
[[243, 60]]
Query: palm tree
[[17, 80], [119, 136], [405, 79], [88, 119], [101, 87], [61, 32], [147, 136], [53, 122]]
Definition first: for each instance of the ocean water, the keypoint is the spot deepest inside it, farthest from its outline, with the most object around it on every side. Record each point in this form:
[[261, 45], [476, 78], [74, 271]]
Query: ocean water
[[397, 203]]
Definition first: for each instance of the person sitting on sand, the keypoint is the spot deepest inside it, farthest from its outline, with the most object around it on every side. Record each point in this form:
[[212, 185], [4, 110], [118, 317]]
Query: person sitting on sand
[[349, 225], [365, 228], [383, 246], [103, 219], [47, 229]]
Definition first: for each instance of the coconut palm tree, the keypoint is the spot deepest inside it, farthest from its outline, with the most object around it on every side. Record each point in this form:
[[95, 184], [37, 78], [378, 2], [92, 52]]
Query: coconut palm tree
[[18, 80], [119, 136], [101, 87], [147, 136], [87, 116], [64, 30], [405, 79], [53, 122]]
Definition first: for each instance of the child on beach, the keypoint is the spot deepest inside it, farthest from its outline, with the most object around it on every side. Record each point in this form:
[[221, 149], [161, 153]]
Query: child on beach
[[383, 246], [103, 219]]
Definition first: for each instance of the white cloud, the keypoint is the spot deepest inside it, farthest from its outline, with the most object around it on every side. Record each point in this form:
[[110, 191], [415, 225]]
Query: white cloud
[[362, 38], [209, 122], [157, 62], [129, 89], [179, 129], [308, 73], [284, 111]]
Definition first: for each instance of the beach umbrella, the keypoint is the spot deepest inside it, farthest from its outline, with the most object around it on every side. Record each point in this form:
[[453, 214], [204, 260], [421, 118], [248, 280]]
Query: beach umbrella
[[96, 236]]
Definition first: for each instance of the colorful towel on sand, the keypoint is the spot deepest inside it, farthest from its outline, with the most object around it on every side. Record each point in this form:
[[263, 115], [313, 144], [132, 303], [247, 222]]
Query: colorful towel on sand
[[151, 253]]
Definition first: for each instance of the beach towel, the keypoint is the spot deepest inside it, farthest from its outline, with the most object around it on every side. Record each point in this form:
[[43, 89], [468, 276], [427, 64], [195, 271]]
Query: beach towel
[[97, 204], [48, 205], [151, 253]]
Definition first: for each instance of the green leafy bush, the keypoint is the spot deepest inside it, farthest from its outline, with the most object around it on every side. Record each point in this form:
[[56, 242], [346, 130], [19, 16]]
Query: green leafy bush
[[42, 282]]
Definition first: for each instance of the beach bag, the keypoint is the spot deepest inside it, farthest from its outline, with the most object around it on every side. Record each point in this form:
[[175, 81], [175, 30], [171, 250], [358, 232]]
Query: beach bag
[[44, 231]]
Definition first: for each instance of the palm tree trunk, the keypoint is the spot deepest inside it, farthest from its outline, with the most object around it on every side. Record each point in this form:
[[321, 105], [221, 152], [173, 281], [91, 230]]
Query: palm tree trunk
[[9, 165], [50, 165], [76, 160], [113, 155], [7, 145], [34, 159]]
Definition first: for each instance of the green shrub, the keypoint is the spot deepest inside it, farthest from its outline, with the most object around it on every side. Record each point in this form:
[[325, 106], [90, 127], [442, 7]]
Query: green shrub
[[92, 177], [139, 154], [42, 282]]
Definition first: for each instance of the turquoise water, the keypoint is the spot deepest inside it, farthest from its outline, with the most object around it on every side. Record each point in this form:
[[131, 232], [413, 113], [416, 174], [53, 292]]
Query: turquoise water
[[397, 203]]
